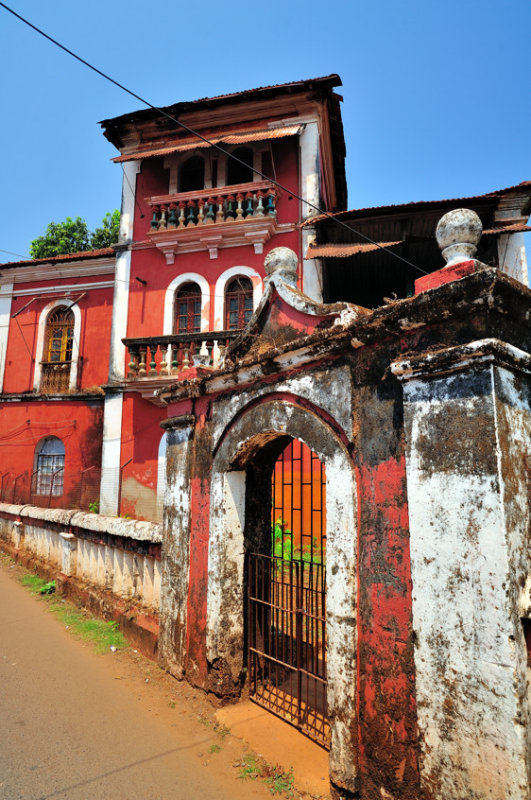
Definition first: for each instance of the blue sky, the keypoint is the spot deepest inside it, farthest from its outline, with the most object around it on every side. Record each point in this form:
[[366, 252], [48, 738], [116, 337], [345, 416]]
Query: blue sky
[[436, 95]]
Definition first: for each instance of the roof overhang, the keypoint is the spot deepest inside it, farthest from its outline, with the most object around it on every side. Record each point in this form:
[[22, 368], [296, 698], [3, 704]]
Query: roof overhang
[[233, 138]]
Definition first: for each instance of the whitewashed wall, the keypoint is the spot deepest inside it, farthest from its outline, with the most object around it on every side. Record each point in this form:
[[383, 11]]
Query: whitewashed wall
[[101, 551]]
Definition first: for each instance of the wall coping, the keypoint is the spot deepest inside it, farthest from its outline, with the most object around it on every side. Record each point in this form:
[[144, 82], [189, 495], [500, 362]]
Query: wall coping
[[138, 530]]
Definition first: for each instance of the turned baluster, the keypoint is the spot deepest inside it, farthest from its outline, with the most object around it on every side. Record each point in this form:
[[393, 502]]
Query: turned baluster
[[271, 210], [162, 221], [210, 215], [153, 363], [230, 215], [239, 208], [182, 217], [186, 359], [219, 212], [172, 219], [216, 354], [174, 359], [190, 219], [249, 208], [133, 362], [142, 364], [155, 220], [201, 212], [260, 204], [163, 360]]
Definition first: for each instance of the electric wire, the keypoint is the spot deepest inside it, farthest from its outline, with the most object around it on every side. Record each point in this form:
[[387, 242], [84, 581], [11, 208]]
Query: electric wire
[[202, 138]]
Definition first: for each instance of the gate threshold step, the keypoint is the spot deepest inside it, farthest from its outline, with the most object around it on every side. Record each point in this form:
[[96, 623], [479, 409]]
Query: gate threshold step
[[278, 742]]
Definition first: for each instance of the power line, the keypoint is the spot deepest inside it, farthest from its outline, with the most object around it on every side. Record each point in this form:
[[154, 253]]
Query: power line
[[11, 253], [202, 138]]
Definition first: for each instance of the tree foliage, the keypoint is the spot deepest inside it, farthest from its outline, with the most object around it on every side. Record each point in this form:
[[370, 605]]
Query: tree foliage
[[73, 236], [109, 231]]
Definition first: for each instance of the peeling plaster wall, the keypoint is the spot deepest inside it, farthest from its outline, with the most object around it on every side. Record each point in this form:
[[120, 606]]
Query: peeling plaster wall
[[176, 550], [467, 552], [328, 389]]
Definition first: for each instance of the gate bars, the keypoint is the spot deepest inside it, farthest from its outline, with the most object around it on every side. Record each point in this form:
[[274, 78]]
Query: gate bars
[[287, 598]]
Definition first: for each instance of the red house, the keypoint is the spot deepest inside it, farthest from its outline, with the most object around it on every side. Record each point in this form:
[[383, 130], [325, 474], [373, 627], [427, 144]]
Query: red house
[[184, 278]]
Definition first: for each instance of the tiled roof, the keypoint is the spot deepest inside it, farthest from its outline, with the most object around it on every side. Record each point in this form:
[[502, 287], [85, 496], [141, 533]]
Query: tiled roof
[[82, 256]]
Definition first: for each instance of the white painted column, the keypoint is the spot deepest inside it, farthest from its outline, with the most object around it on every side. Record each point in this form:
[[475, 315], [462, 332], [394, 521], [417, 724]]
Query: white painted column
[[310, 191], [120, 310], [467, 434], [127, 213], [110, 455], [512, 256], [6, 294]]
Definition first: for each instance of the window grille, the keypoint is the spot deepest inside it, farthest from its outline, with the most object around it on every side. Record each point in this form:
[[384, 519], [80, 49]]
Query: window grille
[[50, 464]]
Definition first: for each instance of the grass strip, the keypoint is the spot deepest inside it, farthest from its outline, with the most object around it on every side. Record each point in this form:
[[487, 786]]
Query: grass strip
[[104, 635]]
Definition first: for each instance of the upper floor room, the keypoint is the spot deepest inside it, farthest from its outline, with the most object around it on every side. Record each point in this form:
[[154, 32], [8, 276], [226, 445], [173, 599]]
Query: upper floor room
[[228, 171], [55, 323]]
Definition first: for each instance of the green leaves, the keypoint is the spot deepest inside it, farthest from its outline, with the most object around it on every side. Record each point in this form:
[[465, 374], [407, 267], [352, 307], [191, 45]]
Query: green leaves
[[73, 236]]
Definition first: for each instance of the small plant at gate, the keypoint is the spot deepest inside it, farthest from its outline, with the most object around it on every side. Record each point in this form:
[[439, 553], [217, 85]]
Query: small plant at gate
[[281, 539], [94, 507], [278, 780]]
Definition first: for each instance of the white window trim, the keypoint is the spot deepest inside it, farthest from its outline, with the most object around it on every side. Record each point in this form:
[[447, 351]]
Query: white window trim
[[221, 285], [41, 339], [186, 277]]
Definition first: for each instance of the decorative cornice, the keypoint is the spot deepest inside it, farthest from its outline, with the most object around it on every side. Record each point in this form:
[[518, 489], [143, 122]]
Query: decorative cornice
[[59, 271], [175, 423], [456, 359]]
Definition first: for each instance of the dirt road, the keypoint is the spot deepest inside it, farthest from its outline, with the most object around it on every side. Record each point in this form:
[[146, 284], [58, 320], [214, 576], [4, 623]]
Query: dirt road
[[78, 726]]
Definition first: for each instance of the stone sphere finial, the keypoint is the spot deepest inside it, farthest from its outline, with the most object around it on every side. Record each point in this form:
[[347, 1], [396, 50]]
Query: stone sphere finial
[[283, 263], [458, 234]]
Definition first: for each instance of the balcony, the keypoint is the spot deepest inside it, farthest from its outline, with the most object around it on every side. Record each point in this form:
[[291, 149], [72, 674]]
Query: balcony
[[155, 359], [55, 377], [211, 218]]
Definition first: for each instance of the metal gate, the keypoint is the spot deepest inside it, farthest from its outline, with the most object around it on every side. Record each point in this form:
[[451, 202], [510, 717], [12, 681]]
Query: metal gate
[[287, 598]]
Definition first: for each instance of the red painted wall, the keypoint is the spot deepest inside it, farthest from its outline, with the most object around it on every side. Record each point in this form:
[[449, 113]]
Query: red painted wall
[[79, 426], [141, 435]]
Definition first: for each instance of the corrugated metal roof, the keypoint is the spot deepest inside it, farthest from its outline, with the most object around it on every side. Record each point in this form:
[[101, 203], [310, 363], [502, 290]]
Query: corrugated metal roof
[[238, 137], [83, 255], [416, 204], [346, 250]]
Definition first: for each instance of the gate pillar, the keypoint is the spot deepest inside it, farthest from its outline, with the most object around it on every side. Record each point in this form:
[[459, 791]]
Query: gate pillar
[[468, 432]]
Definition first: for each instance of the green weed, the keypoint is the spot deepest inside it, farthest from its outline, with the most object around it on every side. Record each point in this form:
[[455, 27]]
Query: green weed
[[279, 781], [48, 588], [214, 748]]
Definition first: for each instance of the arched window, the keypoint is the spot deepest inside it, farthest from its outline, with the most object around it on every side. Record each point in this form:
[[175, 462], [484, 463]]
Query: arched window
[[49, 467], [192, 174], [188, 309], [240, 173], [58, 344], [238, 303]]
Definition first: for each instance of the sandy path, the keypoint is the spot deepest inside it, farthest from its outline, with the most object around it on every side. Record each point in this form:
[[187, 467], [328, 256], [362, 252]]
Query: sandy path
[[78, 726]]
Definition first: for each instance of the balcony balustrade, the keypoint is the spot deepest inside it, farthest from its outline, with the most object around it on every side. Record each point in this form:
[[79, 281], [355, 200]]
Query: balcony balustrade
[[160, 356], [213, 218], [55, 377]]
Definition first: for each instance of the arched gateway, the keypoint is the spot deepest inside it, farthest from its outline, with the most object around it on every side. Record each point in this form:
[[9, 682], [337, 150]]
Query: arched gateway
[[268, 614]]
